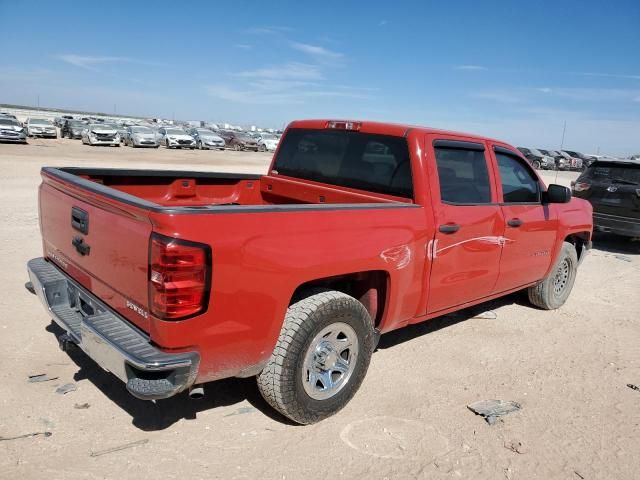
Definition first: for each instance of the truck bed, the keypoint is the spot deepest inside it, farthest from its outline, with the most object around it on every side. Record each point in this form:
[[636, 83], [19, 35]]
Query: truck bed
[[162, 189]]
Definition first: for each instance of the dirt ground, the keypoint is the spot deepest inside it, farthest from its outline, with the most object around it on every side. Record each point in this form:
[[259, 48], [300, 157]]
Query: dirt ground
[[569, 370]]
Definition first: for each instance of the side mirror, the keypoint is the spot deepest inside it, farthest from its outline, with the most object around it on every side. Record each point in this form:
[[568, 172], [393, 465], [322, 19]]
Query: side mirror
[[557, 194]]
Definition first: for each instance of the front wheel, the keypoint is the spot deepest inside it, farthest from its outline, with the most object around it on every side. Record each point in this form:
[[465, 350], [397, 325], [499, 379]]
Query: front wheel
[[553, 291], [263, 148], [320, 359], [237, 147], [536, 165]]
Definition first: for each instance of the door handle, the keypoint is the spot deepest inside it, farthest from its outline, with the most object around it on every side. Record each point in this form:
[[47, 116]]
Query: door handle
[[514, 222], [449, 228]]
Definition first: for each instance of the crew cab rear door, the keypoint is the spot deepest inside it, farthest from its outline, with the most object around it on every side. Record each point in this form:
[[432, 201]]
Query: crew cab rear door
[[530, 227], [469, 223]]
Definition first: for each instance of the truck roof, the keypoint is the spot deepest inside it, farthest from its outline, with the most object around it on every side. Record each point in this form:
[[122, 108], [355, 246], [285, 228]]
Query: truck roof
[[386, 128]]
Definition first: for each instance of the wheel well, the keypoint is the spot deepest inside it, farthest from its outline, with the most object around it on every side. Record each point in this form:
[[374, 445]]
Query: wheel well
[[579, 241], [369, 288]]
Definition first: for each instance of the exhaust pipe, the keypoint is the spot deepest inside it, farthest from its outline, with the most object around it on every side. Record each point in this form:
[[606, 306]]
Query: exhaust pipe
[[196, 392]]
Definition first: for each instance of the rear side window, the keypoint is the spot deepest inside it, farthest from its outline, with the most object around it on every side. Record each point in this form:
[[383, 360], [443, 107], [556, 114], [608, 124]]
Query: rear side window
[[376, 163], [463, 175], [518, 183]]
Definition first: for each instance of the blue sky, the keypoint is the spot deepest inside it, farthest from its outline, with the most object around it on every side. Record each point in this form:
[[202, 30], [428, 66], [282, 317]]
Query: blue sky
[[511, 70]]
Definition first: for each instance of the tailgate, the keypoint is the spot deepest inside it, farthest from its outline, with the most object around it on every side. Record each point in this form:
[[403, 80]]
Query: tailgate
[[100, 242]]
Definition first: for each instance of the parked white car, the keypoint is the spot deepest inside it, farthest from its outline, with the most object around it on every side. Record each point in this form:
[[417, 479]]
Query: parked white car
[[101, 134], [172, 137], [40, 127], [267, 142]]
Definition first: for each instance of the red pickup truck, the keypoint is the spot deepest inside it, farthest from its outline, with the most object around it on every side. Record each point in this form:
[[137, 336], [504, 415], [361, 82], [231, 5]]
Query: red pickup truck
[[170, 279]]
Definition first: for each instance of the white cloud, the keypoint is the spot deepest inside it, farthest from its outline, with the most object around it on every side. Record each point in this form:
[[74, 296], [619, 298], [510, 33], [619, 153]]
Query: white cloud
[[89, 62], [471, 67], [243, 46], [382, 23], [266, 30], [316, 51], [288, 71], [277, 96], [607, 75], [544, 90]]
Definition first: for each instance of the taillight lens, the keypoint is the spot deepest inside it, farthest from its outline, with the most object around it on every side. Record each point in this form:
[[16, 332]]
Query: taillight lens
[[581, 187], [179, 277]]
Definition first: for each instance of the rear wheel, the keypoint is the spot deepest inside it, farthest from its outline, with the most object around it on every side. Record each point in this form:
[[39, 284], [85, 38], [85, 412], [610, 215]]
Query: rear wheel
[[166, 144], [263, 148], [320, 359], [554, 290], [536, 164], [237, 147]]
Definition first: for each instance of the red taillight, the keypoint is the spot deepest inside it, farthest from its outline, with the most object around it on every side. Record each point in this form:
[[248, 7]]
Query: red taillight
[[344, 125], [179, 277], [581, 187]]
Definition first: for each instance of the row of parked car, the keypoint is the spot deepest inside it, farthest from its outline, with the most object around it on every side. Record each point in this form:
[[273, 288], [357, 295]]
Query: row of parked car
[[153, 136], [96, 132], [542, 159]]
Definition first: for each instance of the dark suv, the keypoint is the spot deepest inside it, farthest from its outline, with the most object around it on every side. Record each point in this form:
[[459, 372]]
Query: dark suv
[[72, 128], [613, 189]]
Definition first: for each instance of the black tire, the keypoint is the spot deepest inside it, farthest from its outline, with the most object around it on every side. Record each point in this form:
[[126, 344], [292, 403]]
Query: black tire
[[199, 144], [536, 164], [553, 291], [166, 144], [281, 381], [263, 148]]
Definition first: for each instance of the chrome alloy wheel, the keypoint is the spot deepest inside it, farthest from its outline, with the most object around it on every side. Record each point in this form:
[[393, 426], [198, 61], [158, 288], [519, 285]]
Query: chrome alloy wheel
[[330, 361], [562, 277]]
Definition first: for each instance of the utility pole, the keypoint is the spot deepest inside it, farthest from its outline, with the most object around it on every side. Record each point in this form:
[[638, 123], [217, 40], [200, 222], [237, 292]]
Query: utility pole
[[114, 108], [564, 129], [38, 101]]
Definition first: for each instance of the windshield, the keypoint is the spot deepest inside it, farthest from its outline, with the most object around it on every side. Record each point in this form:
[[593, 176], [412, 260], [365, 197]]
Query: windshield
[[377, 163], [175, 131], [627, 172], [7, 121], [205, 132], [268, 136], [141, 130], [39, 121], [76, 123], [536, 152]]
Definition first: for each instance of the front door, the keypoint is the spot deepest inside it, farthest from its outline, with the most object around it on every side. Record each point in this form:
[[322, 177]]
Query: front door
[[530, 227], [469, 225]]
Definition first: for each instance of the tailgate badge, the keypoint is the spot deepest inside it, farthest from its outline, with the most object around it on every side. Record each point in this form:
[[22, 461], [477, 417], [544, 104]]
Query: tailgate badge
[[612, 188], [139, 310]]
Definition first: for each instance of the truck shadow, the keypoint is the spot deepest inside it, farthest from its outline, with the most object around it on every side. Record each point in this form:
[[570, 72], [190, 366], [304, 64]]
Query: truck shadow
[[161, 414], [410, 332], [609, 242]]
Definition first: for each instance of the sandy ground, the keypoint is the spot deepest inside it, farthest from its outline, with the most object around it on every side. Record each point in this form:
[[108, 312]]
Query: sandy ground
[[569, 369]]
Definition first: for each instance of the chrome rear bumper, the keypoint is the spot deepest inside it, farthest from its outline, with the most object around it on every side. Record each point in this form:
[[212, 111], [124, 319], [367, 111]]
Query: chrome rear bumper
[[110, 340]]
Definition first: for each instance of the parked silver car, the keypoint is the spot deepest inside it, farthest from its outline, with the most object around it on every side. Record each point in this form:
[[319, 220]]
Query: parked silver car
[[172, 137], [206, 139], [40, 127], [140, 136], [101, 134], [12, 131]]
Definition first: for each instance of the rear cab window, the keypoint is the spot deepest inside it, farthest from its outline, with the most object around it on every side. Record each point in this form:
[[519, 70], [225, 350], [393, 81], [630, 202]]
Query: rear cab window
[[365, 161]]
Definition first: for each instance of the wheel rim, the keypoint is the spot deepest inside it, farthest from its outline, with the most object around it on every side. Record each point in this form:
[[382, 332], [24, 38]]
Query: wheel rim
[[562, 277], [330, 361]]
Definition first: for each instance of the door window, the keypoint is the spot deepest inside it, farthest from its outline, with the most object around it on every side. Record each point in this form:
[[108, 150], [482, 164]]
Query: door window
[[518, 183], [464, 178]]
